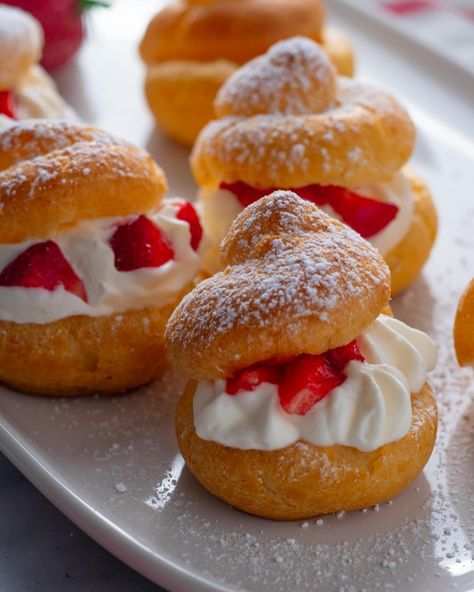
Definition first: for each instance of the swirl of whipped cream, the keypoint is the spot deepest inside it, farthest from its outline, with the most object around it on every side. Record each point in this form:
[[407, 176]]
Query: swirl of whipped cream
[[86, 247], [219, 207], [371, 408]]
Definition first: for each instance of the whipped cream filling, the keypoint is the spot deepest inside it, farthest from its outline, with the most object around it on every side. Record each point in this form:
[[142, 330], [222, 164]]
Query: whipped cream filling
[[371, 408], [38, 97], [86, 247], [219, 207]]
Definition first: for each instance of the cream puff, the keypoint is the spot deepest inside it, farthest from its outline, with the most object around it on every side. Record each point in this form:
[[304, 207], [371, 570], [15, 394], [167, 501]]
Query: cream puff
[[305, 397], [285, 120], [464, 328], [92, 260], [26, 90], [192, 46]]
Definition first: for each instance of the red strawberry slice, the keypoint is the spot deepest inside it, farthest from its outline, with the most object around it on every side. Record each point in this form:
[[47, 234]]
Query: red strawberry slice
[[187, 212], [339, 357], [409, 6], [8, 104], [306, 381], [250, 378], [280, 360], [246, 194], [302, 381], [365, 215], [43, 266], [140, 244]]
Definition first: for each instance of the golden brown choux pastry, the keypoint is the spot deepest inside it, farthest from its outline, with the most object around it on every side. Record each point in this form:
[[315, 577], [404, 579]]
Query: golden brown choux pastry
[[464, 327], [26, 90], [191, 47], [286, 120], [92, 261], [305, 398]]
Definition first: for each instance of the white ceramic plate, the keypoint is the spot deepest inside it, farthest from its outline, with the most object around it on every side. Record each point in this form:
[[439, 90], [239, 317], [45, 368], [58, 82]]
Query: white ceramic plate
[[112, 464]]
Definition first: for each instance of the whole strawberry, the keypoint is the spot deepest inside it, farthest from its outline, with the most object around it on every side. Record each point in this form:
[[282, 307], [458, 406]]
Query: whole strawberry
[[62, 24]]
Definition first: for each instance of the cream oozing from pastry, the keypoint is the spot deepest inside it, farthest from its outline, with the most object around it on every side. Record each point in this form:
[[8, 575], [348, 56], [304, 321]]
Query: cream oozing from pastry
[[219, 207], [38, 97], [86, 247], [371, 408]]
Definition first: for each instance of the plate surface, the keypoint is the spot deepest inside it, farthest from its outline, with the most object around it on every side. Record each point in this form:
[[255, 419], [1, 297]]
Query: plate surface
[[112, 465]]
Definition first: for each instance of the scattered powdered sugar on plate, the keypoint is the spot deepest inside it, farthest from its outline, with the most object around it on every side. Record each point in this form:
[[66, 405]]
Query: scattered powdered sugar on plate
[[120, 487]]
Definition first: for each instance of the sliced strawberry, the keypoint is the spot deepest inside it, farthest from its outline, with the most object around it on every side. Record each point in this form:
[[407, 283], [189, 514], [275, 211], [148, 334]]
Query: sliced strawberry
[[140, 244], [316, 194], [409, 6], [302, 381], [187, 212], [250, 378], [365, 215], [8, 104], [42, 266], [339, 357], [306, 381], [246, 194]]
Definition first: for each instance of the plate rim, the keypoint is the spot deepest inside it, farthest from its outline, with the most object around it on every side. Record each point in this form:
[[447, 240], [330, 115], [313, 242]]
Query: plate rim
[[129, 550]]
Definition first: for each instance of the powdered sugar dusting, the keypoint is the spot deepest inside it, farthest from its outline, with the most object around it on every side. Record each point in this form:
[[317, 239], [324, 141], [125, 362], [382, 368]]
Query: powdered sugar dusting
[[264, 141], [30, 138], [285, 80], [36, 156], [311, 266], [259, 140], [46, 168]]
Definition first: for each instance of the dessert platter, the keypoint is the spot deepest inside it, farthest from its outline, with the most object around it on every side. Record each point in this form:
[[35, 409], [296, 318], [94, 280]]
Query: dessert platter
[[312, 292]]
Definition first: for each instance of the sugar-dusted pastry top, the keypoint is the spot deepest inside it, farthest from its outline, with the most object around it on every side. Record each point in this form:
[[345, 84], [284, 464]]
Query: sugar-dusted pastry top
[[21, 42], [285, 120], [28, 139], [296, 82], [54, 174], [206, 30], [296, 281]]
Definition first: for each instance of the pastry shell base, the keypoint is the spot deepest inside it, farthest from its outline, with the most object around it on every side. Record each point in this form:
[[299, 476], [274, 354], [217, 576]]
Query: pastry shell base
[[82, 355], [304, 480]]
